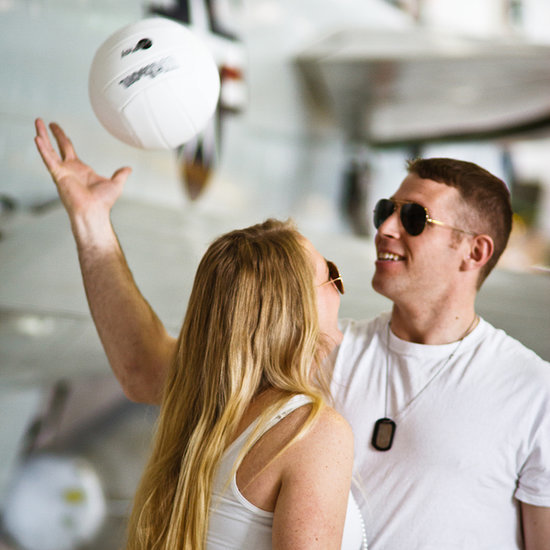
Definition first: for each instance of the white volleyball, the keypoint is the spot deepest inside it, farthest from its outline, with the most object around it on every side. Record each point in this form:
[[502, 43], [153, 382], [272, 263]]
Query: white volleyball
[[154, 84]]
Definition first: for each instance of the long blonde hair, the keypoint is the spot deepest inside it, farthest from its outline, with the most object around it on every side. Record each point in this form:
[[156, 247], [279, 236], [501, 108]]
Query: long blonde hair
[[251, 324]]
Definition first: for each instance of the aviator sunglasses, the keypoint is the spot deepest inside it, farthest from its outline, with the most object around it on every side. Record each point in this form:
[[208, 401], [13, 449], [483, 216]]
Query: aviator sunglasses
[[413, 216], [334, 277]]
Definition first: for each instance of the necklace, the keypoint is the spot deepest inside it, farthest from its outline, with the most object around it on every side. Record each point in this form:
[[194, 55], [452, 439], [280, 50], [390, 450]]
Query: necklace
[[384, 428]]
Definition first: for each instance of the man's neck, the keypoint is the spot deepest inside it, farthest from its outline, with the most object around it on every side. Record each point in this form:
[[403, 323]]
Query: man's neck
[[424, 326]]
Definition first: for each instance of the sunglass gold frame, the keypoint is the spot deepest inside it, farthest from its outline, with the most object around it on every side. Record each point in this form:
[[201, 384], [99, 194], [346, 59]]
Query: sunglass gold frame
[[428, 219], [337, 279]]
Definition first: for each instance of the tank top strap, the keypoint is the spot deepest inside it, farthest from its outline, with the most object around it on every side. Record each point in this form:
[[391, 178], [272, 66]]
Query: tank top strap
[[295, 402]]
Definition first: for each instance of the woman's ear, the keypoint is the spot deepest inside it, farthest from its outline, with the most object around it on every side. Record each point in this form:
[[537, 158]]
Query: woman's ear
[[478, 254]]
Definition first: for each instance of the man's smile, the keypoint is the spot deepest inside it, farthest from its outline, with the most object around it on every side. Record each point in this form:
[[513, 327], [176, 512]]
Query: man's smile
[[390, 256]]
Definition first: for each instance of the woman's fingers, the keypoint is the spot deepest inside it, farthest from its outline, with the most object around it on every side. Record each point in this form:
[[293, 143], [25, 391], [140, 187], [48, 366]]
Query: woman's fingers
[[43, 144], [63, 142]]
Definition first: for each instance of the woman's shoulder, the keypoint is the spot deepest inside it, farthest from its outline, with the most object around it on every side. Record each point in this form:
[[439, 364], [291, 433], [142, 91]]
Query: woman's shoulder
[[287, 451], [330, 424], [330, 434], [327, 421]]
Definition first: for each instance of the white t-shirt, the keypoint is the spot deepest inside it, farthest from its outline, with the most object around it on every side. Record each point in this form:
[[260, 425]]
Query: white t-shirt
[[475, 437], [236, 524]]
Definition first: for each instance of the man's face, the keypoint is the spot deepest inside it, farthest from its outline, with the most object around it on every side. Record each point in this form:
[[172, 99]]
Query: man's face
[[421, 269]]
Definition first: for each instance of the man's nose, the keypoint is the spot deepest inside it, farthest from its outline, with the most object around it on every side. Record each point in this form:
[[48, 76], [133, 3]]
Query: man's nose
[[391, 226]]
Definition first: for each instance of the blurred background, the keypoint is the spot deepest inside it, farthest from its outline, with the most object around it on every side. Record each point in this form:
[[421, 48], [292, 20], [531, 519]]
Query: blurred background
[[322, 102]]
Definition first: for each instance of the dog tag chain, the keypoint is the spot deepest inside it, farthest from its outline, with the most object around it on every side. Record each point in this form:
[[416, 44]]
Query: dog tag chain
[[384, 428]]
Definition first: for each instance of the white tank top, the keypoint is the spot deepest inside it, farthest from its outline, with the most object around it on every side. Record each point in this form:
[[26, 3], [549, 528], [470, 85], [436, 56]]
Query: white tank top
[[236, 524]]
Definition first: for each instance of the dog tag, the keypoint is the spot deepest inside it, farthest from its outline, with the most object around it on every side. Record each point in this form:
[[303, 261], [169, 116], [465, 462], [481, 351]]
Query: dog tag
[[382, 437]]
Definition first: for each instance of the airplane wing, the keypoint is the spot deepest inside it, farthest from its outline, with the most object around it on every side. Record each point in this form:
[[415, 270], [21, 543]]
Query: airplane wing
[[387, 87]]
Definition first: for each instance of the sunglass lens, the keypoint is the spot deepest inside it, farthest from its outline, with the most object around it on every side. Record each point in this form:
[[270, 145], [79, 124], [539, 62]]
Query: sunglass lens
[[382, 211], [413, 218], [335, 276]]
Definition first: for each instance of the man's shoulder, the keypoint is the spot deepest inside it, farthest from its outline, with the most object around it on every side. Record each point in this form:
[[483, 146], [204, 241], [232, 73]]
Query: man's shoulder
[[504, 344], [506, 352]]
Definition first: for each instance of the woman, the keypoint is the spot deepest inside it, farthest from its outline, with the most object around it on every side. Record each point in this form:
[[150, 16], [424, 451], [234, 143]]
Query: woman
[[247, 454]]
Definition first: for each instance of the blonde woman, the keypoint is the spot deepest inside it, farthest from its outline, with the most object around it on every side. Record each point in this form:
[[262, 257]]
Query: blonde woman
[[247, 455]]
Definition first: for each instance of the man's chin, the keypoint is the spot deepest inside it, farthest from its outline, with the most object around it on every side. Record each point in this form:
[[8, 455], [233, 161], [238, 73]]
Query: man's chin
[[382, 285]]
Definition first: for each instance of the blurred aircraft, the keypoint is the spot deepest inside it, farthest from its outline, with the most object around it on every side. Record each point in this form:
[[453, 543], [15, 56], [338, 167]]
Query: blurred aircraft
[[198, 156], [411, 87]]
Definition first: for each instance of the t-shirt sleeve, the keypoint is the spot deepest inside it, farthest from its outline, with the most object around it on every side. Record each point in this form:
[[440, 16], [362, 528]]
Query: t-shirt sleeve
[[534, 478]]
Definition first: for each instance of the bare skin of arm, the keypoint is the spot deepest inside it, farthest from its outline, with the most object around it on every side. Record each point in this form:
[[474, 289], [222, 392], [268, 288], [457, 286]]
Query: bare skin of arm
[[136, 342], [306, 485], [536, 526], [316, 476]]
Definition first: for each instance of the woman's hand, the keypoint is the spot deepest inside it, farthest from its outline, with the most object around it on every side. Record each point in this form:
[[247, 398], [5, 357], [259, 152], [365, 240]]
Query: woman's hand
[[81, 189]]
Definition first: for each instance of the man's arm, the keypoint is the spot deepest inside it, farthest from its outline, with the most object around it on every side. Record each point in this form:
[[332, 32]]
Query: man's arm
[[536, 526], [137, 344]]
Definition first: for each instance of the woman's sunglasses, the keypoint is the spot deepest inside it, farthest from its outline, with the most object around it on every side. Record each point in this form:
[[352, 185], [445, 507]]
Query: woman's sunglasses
[[334, 277], [413, 216]]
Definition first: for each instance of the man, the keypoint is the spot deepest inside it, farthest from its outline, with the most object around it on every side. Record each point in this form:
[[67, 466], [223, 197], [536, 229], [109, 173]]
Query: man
[[451, 417], [468, 407]]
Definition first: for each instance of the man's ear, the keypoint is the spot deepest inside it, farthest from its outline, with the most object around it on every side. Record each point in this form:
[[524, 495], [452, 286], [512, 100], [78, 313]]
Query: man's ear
[[479, 252]]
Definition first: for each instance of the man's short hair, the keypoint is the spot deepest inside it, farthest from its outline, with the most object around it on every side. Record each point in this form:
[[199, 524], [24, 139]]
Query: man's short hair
[[486, 197]]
